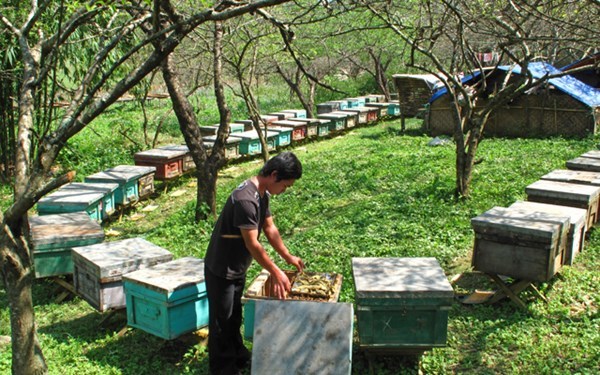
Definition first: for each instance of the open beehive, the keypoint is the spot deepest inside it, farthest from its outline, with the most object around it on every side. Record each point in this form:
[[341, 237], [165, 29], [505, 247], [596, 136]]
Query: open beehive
[[306, 286]]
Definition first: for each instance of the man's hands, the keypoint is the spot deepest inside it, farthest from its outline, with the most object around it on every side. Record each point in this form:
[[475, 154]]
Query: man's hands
[[280, 284], [296, 262]]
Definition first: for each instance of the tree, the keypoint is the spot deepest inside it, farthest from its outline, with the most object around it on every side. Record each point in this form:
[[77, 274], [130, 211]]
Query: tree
[[44, 32], [445, 37]]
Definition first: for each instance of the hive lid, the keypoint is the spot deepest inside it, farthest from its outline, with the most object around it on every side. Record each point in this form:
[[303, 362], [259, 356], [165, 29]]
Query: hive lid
[[557, 189], [63, 230], [299, 337], [533, 231], [399, 278], [576, 215], [113, 259], [122, 173], [578, 177], [72, 196], [158, 154], [170, 276]]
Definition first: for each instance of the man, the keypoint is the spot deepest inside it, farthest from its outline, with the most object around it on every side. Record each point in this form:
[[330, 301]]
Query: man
[[233, 245]]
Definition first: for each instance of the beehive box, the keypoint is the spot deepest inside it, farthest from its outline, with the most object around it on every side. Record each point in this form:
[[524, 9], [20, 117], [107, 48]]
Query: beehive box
[[323, 127], [362, 114], [298, 128], [393, 109], [329, 107], [351, 118], [53, 236], [168, 163], [75, 197], [312, 125], [356, 102], [284, 135], [248, 124], [519, 248], [337, 121], [593, 154], [135, 182], [98, 269], [188, 161], [267, 119], [282, 115], [169, 299], [402, 304], [540, 216], [298, 113], [250, 142], [577, 228], [584, 164], [207, 130], [567, 194], [381, 107], [260, 288], [232, 145]]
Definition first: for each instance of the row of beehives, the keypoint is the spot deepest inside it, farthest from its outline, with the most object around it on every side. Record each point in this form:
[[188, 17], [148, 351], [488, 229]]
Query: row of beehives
[[531, 240], [162, 296], [103, 192], [401, 303]]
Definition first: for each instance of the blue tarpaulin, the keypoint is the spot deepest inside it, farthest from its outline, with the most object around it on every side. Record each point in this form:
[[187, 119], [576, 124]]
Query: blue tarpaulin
[[573, 87]]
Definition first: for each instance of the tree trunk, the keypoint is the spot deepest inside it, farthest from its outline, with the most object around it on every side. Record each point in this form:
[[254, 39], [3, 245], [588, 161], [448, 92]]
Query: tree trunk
[[206, 168], [17, 276]]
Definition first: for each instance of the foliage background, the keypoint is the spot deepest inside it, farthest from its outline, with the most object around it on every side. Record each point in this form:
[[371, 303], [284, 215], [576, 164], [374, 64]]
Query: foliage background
[[374, 191]]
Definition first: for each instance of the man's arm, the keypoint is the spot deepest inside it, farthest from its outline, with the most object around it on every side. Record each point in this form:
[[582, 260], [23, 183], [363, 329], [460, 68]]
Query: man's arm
[[280, 282], [272, 234]]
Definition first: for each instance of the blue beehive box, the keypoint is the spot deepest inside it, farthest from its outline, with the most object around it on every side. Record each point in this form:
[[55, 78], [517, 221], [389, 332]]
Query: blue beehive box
[[135, 182], [167, 300]]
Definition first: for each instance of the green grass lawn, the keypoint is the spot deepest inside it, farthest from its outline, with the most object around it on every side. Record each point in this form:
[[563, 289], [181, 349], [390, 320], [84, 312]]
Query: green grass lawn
[[375, 192]]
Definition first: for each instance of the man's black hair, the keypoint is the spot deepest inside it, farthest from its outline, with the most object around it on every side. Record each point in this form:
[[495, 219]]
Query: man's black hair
[[286, 164]]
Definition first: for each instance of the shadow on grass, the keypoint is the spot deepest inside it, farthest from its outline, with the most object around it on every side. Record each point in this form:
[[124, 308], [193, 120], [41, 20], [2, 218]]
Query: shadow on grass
[[395, 131], [137, 352], [134, 351]]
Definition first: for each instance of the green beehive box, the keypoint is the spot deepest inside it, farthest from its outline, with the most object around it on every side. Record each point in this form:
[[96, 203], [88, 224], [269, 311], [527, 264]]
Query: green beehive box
[[250, 142], [232, 145], [135, 182], [338, 121], [402, 303], [169, 299], [98, 269], [350, 118], [53, 237]]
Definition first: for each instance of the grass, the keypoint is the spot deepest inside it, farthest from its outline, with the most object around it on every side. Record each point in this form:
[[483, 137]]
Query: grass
[[373, 192]]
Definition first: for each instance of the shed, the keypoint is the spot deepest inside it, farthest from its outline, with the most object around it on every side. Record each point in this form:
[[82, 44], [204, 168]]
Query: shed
[[564, 106], [414, 91]]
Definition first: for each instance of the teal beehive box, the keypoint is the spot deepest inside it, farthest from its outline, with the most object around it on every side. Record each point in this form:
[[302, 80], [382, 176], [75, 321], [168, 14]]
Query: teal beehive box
[[298, 113], [337, 121], [169, 299], [53, 237], [77, 196], [284, 135], [135, 182], [402, 304]]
